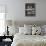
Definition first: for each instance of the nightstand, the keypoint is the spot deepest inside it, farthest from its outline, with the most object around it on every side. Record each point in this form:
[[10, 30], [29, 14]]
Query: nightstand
[[4, 40], [7, 43]]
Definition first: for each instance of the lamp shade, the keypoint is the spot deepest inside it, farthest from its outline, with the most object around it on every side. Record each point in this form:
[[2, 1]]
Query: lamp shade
[[9, 22]]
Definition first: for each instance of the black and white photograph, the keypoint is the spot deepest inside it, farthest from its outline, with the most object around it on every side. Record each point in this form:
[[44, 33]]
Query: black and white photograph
[[30, 9]]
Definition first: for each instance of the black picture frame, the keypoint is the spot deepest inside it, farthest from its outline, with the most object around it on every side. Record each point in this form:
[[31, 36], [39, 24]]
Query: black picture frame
[[30, 9]]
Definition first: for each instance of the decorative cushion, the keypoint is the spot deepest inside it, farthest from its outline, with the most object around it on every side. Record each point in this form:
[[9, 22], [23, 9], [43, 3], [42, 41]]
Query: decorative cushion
[[36, 30]]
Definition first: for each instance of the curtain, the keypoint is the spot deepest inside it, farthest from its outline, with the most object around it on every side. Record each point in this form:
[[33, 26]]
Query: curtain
[[2, 19]]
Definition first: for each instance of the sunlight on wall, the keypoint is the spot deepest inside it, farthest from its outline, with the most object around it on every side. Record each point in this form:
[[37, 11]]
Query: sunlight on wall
[[2, 19], [2, 23]]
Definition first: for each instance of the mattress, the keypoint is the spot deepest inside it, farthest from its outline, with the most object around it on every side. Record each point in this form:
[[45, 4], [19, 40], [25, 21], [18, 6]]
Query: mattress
[[28, 40]]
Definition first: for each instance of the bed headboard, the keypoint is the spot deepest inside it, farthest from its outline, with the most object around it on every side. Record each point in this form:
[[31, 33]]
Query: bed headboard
[[21, 23]]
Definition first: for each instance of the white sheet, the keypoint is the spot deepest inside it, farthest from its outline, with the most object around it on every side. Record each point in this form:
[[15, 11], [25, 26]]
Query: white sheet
[[26, 39]]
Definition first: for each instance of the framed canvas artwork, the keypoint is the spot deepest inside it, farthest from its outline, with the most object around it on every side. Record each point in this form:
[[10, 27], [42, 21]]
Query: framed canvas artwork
[[30, 9]]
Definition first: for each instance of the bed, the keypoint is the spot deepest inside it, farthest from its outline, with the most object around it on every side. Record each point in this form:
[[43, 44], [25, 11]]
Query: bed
[[28, 40]]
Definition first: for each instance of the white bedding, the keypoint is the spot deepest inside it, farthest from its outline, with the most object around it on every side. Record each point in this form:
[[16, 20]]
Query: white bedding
[[29, 40]]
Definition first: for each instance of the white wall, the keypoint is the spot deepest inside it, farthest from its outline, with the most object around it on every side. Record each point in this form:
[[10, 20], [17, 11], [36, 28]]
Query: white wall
[[16, 10], [40, 10]]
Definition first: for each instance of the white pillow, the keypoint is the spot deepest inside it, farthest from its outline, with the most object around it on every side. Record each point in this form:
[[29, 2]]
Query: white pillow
[[28, 31], [28, 28], [21, 30], [36, 30], [24, 30], [33, 30], [13, 30], [44, 29]]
